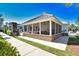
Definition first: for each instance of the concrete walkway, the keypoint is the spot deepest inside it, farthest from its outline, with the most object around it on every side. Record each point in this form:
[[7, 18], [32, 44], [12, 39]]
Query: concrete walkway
[[59, 43], [62, 40], [24, 48]]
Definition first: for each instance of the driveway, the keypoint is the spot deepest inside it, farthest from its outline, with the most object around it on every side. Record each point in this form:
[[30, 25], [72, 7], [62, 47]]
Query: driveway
[[24, 48]]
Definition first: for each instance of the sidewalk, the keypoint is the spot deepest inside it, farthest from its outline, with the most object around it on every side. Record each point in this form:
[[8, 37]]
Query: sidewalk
[[24, 48], [59, 43]]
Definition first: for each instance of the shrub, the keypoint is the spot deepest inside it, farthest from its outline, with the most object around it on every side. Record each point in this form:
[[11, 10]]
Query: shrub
[[6, 49], [9, 33]]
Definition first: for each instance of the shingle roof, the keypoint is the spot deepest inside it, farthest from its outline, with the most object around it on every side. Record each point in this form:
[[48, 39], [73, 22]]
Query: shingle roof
[[43, 16]]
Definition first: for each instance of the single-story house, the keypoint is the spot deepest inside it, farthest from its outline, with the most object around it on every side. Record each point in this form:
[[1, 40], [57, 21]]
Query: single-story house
[[12, 26], [45, 27]]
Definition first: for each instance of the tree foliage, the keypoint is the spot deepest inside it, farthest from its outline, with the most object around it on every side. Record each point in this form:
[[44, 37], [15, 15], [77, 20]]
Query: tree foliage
[[6, 49], [77, 21], [7, 31], [72, 27], [70, 4]]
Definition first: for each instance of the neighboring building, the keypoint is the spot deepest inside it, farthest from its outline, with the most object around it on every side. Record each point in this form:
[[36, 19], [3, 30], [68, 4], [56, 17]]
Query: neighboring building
[[46, 27], [65, 29], [20, 28], [1, 23], [13, 27]]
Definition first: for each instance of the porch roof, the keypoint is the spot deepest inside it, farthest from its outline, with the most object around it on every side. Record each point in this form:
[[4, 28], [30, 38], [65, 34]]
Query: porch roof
[[43, 17]]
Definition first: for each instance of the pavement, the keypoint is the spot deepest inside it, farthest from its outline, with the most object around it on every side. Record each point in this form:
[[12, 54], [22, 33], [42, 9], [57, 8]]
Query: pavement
[[60, 43], [24, 48]]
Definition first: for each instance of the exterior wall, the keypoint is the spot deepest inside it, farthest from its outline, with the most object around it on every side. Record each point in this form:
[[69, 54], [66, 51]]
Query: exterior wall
[[1, 23], [43, 37], [12, 26], [65, 28], [20, 28]]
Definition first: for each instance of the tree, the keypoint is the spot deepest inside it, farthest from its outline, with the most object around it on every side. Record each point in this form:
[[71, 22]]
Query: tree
[[70, 4], [72, 27], [77, 21], [5, 29]]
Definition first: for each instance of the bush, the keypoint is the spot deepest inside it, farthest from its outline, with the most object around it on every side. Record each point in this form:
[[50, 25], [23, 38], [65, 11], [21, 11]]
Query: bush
[[9, 33], [6, 49]]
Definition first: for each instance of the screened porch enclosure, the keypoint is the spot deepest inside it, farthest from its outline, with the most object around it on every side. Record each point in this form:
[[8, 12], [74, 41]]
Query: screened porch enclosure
[[45, 28]]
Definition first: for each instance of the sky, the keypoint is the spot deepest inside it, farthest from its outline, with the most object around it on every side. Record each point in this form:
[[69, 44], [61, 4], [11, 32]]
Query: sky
[[21, 12]]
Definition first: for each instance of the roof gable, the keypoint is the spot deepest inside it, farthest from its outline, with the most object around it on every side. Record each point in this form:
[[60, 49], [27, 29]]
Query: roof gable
[[43, 17]]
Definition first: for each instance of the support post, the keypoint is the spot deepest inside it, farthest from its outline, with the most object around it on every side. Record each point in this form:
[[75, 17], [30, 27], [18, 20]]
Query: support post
[[50, 29], [40, 28], [55, 28], [32, 28]]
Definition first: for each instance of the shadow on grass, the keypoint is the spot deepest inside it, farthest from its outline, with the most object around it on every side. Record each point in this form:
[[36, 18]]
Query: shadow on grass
[[73, 41]]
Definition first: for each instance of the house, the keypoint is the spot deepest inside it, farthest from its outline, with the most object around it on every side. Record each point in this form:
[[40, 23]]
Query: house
[[20, 28], [13, 27], [1, 23], [45, 27], [65, 29]]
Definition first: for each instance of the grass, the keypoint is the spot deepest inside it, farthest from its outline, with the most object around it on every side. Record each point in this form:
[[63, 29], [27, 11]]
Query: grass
[[55, 51], [6, 49], [73, 41]]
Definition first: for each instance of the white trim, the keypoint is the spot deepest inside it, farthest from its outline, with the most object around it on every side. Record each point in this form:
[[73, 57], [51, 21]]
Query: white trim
[[32, 28], [55, 28], [50, 29], [44, 20], [40, 28], [34, 22]]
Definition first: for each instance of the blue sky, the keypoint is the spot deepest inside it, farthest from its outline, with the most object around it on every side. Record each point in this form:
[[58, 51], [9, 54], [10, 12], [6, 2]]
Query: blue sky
[[21, 12]]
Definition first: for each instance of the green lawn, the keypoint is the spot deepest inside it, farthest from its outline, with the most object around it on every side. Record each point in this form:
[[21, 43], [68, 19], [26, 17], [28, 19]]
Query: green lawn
[[58, 52], [6, 49], [74, 40]]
